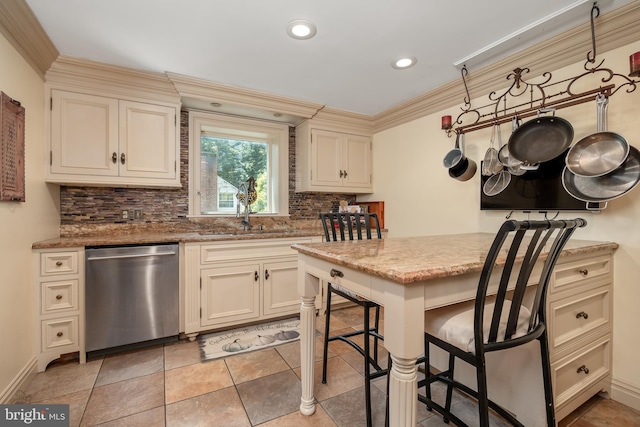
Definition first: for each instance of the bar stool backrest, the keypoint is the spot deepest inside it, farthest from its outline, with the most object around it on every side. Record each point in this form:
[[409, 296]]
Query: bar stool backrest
[[350, 225], [517, 248]]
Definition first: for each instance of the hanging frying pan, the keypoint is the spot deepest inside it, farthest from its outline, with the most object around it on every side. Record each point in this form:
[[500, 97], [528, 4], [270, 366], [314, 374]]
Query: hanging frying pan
[[606, 187], [599, 153], [540, 139]]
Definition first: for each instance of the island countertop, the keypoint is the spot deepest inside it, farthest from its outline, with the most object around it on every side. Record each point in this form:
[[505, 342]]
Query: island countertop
[[412, 259]]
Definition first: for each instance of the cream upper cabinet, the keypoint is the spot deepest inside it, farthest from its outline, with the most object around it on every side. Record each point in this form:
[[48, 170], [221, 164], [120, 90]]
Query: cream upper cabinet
[[102, 141], [332, 161]]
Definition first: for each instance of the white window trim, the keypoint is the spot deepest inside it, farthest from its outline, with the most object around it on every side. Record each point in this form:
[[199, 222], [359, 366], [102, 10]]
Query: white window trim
[[278, 133]]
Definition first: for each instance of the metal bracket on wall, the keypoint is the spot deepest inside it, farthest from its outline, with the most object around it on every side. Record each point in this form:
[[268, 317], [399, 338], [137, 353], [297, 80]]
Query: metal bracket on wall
[[524, 99]]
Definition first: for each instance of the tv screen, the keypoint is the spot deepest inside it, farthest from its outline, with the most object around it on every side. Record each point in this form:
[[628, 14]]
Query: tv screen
[[538, 190]]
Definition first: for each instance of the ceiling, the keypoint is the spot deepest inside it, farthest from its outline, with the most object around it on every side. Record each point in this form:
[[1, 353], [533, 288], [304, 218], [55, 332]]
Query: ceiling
[[346, 66]]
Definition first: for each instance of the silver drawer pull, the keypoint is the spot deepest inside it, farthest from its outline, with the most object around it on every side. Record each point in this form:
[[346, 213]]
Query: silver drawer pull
[[336, 273], [59, 334], [584, 272], [58, 297], [58, 263], [582, 314], [584, 369]]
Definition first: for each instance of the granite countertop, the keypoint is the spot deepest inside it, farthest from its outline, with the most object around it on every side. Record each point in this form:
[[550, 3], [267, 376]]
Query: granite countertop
[[413, 259], [116, 238]]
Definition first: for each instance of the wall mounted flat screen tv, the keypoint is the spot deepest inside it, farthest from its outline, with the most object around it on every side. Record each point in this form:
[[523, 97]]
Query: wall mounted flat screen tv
[[539, 190]]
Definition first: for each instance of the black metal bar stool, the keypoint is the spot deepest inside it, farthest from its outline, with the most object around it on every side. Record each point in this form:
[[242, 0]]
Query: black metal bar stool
[[502, 321], [349, 226]]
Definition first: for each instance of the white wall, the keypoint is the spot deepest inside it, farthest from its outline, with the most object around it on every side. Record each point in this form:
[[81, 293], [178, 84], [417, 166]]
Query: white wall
[[21, 224], [420, 199]]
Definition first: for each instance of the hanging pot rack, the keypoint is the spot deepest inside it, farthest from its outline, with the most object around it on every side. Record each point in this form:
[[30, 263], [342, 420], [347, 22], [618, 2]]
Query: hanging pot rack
[[537, 96]]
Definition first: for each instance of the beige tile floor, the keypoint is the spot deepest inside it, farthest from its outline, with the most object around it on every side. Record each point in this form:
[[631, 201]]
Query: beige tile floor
[[168, 385]]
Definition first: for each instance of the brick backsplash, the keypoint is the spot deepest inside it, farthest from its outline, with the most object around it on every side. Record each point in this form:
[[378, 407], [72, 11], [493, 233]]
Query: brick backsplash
[[87, 207]]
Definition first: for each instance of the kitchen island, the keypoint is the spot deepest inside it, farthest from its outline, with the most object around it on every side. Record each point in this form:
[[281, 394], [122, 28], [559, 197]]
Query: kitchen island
[[410, 276]]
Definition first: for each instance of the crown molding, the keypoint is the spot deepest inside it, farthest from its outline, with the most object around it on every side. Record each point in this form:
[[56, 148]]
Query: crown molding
[[344, 121], [20, 27], [81, 74], [613, 30], [216, 92]]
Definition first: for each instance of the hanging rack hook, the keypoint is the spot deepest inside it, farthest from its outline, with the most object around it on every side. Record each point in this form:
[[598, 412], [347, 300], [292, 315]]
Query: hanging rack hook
[[467, 99], [595, 12]]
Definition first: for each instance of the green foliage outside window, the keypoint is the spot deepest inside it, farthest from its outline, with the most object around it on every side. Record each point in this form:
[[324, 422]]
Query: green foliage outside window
[[237, 160]]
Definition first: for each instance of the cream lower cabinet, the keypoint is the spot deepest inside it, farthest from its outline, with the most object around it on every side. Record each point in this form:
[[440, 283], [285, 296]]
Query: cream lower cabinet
[[102, 141], [579, 311], [58, 287], [234, 282]]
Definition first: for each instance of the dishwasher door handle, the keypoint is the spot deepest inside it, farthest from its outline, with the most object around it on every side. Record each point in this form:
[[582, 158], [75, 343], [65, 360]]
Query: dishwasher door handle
[[99, 258]]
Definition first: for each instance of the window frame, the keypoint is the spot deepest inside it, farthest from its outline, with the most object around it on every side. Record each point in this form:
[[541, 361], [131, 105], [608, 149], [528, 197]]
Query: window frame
[[275, 134]]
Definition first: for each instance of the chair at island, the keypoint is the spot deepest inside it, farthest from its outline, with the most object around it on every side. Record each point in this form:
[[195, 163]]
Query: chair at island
[[349, 226], [502, 321]]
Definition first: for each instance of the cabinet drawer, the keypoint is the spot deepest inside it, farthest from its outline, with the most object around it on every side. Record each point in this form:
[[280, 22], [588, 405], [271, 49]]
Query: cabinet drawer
[[243, 250], [58, 333], [574, 273], [581, 369], [59, 296], [52, 263], [576, 316]]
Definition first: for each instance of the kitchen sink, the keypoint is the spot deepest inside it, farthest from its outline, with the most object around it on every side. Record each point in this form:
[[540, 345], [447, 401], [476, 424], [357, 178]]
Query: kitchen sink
[[246, 233]]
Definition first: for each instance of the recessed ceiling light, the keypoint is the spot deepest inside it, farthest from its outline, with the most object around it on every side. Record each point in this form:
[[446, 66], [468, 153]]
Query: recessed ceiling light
[[402, 63], [301, 29]]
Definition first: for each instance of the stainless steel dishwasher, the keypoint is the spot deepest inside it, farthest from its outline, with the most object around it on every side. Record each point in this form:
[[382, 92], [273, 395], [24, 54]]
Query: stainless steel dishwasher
[[131, 294]]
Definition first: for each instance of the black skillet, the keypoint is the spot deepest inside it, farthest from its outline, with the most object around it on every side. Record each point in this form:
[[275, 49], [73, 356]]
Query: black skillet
[[541, 139]]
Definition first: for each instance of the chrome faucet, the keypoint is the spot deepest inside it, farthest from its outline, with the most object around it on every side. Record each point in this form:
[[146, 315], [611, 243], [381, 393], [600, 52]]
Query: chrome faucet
[[246, 195]]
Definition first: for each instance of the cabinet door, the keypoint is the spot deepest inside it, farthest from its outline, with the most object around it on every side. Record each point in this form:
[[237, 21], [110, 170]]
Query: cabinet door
[[326, 158], [280, 287], [147, 140], [84, 134], [357, 161], [230, 293]]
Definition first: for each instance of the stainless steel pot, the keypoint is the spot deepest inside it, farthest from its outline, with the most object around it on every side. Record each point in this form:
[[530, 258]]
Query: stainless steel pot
[[599, 153], [465, 168], [540, 139], [606, 187], [453, 157]]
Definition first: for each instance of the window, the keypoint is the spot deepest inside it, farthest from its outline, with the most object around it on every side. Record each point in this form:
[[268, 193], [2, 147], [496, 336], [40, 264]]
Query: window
[[224, 153]]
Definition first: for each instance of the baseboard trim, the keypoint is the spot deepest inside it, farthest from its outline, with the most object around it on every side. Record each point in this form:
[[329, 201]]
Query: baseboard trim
[[626, 393], [19, 384]]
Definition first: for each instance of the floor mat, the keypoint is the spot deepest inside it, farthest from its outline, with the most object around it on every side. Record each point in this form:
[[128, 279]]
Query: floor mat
[[249, 338]]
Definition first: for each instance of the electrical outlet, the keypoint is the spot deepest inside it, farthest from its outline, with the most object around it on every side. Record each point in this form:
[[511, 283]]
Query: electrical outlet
[[125, 214], [137, 214]]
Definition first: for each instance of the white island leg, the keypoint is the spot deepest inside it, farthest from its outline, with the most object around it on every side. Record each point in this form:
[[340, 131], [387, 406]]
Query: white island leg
[[308, 288], [307, 353], [403, 338], [403, 393]]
